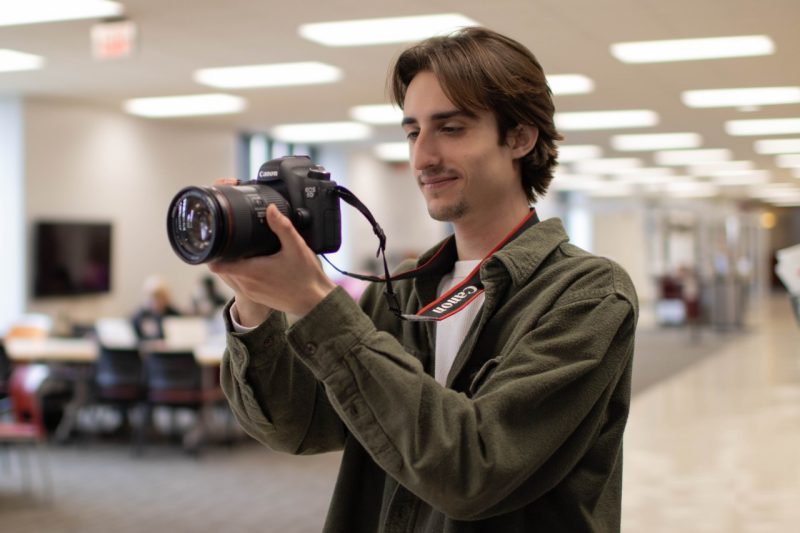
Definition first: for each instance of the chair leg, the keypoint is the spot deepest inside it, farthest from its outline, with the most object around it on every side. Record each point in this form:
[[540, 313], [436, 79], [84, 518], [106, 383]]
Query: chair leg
[[145, 422]]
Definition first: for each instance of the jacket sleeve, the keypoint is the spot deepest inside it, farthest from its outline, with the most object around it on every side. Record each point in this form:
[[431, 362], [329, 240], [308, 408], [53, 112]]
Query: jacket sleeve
[[273, 395], [530, 420]]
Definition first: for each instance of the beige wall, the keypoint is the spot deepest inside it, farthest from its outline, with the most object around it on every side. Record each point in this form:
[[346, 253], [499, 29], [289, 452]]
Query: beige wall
[[92, 164]]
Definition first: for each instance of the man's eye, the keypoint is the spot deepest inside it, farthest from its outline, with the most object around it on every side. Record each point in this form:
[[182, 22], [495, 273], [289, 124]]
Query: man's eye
[[451, 129], [411, 135]]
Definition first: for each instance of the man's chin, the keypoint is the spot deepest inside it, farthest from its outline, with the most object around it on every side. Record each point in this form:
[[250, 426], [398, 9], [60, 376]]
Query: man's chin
[[447, 213]]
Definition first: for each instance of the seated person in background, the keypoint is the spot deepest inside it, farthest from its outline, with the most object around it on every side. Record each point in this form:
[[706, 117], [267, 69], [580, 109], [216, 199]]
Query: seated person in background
[[147, 320], [207, 299]]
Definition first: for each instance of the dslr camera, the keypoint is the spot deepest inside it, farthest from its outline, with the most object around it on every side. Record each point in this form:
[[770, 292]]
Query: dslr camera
[[226, 222]]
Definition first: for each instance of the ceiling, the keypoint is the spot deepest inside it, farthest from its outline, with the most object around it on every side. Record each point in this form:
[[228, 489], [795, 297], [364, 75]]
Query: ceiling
[[568, 36]]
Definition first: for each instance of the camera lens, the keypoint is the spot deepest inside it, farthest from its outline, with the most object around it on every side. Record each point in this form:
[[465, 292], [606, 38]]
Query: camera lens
[[223, 223], [194, 224]]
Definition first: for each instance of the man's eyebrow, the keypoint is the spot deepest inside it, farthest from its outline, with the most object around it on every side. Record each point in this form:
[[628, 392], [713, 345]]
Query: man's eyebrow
[[442, 115]]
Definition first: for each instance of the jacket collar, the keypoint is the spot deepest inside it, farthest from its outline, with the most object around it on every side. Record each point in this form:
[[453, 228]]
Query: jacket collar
[[518, 259]]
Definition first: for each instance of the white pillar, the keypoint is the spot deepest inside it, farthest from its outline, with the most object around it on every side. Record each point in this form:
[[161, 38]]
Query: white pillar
[[13, 279]]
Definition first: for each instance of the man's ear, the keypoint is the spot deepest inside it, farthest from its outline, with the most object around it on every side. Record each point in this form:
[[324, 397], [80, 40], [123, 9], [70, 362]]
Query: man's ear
[[521, 139]]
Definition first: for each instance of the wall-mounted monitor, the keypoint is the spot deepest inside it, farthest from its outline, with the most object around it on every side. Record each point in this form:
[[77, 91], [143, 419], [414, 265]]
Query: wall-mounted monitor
[[71, 258]]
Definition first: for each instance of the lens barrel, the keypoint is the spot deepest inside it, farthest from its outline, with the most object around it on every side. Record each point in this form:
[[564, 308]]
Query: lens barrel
[[223, 222]]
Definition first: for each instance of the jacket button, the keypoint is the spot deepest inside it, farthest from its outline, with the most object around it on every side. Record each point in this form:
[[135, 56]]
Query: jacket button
[[311, 348]]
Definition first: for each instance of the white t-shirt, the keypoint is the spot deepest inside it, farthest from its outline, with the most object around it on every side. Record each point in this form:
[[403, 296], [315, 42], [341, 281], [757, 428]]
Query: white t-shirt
[[451, 331]]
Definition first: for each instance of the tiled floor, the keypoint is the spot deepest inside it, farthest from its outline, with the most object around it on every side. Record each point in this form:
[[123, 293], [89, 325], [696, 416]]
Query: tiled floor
[[716, 448], [713, 445]]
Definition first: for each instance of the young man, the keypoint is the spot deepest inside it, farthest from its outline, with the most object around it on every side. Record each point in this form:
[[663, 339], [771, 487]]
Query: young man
[[507, 415]]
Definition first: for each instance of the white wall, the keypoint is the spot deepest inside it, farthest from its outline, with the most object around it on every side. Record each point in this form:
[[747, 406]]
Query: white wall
[[391, 194], [619, 232], [12, 187], [92, 164]]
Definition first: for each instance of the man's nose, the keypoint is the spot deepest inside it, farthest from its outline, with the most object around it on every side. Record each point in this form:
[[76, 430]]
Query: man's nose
[[424, 152]]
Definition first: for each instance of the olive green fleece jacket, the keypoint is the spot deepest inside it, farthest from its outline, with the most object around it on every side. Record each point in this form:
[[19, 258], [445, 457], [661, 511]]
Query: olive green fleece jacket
[[527, 436]]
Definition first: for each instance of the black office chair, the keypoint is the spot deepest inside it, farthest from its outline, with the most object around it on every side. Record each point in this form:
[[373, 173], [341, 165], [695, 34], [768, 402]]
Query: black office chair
[[174, 380], [119, 381]]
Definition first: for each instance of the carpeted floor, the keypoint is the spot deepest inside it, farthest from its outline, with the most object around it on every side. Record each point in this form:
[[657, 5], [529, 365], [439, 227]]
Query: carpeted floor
[[100, 487]]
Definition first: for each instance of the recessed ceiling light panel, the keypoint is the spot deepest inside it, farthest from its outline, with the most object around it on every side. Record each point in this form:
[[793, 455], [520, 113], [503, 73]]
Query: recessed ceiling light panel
[[185, 106], [655, 141], [741, 97], [693, 49], [562, 84], [12, 61], [377, 114], [321, 132], [777, 146], [769, 126], [691, 157], [606, 120], [35, 11], [274, 75], [383, 30], [568, 153], [392, 152]]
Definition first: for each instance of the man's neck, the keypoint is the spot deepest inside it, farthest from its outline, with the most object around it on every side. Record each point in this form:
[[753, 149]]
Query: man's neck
[[476, 236]]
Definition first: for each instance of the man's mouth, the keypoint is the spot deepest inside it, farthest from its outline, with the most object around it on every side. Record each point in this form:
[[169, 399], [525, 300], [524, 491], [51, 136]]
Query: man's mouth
[[434, 182]]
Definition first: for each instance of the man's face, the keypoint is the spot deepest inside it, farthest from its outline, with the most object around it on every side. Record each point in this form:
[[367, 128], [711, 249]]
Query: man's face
[[461, 168]]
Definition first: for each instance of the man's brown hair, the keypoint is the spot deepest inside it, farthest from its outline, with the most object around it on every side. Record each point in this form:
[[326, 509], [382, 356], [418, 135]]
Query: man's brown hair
[[479, 69]]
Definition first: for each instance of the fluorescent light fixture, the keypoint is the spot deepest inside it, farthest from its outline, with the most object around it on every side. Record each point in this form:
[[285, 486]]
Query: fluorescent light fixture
[[777, 146], [35, 11], [380, 114], [383, 30], [568, 153], [655, 141], [11, 61], [393, 152], [767, 126], [691, 157], [742, 177], [321, 132], [613, 190], [741, 97], [185, 106], [606, 120], [775, 191], [274, 75], [709, 169], [693, 49], [788, 161], [570, 84], [645, 173], [606, 166], [565, 181], [691, 189]]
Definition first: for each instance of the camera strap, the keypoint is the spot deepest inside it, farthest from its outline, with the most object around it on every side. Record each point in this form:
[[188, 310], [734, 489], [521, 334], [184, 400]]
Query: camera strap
[[452, 301]]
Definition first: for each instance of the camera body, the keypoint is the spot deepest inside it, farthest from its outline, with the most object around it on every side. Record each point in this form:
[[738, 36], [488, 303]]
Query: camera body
[[227, 222]]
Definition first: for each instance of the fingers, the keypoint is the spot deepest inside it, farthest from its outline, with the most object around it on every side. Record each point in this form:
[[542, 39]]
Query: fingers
[[283, 228], [226, 181]]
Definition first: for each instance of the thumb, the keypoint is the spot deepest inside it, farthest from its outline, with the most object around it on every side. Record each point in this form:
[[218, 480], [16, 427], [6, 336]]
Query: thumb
[[283, 228]]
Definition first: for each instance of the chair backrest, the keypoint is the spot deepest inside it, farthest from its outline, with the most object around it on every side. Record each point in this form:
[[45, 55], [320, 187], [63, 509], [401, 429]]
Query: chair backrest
[[5, 369], [23, 390], [172, 370], [119, 367]]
